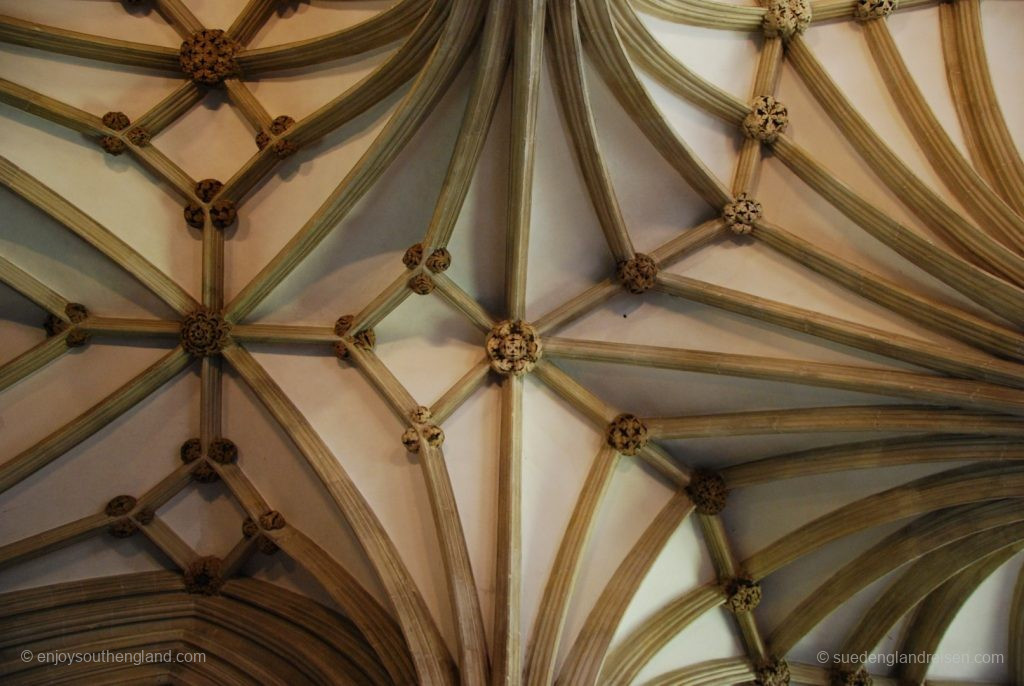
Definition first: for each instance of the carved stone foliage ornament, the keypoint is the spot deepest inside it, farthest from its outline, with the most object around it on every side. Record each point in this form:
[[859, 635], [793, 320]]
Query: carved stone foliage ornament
[[282, 147], [421, 284], [627, 433], [192, 452], [207, 189], [204, 332], [741, 213], [125, 526], [707, 490], [413, 256], [203, 576], [265, 544], [514, 347], [343, 324], [437, 261], [850, 677], [431, 433], [222, 211], [773, 673], [138, 135], [767, 119], [118, 121], [271, 520], [55, 326], [208, 56], [744, 594], [866, 10], [785, 18], [195, 215], [222, 451], [365, 339], [638, 273]]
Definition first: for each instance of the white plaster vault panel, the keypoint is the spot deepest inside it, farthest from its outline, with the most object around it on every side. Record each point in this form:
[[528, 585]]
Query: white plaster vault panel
[[428, 345]]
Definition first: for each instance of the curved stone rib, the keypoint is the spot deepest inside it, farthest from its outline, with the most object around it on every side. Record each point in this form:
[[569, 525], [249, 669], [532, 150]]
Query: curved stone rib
[[314, 618], [727, 570], [652, 56], [373, 620], [729, 670], [939, 609], [44, 106], [708, 13], [974, 483], [250, 20], [924, 534], [683, 81], [989, 141], [33, 289], [887, 452], [989, 210], [375, 32], [621, 77], [507, 668], [92, 420], [72, 532], [447, 523], [686, 243], [96, 235], [462, 588], [33, 35], [600, 413], [52, 539], [433, 664], [376, 624], [921, 578], [407, 61], [906, 418], [1016, 631], [896, 346], [910, 385], [583, 663], [247, 105], [575, 106], [463, 302], [638, 647], [527, 61], [178, 16], [33, 359], [78, 120], [554, 605], [483, 101], [460, 391], [940, 317], [988, 290], [830, 10], [170, 543], [749, 161], [317, 642], [170, 108], [460, 29], [969, 241]]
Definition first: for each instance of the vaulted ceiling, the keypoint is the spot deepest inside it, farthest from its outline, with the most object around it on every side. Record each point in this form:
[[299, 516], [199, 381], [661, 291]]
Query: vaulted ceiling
[[519, 341]]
